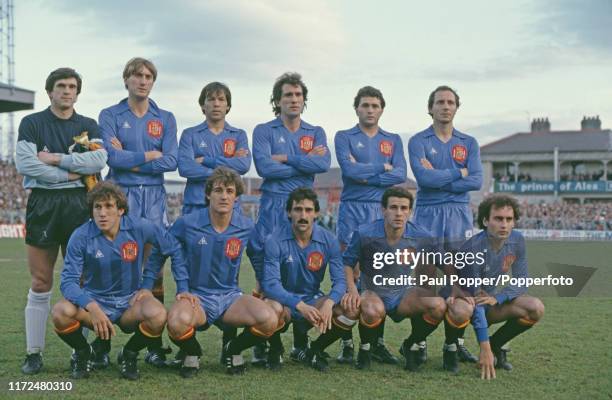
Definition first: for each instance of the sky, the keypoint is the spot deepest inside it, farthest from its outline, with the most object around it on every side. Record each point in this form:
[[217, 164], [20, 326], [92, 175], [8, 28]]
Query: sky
[[510, 62]]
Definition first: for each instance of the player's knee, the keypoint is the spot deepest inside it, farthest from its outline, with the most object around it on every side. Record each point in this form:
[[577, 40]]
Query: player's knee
[[535, 309], [62, 313], [460, 311], [41, 283], [437, 307], [372, 312], [155, 314], [276, 306], [179, 320], [266, 320]]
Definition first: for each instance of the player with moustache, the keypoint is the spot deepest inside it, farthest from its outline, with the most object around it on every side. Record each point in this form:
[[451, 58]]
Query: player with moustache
[[296, 260]]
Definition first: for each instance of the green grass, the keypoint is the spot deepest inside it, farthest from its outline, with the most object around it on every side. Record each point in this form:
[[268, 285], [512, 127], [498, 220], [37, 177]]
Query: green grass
[[566, 356]]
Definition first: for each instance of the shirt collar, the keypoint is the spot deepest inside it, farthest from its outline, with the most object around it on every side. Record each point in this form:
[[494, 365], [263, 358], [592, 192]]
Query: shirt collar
[[73, 117], [153, 109], [356, 129], [279, 122], [286, 232], [431, 132], [125, 224], [226, 127]]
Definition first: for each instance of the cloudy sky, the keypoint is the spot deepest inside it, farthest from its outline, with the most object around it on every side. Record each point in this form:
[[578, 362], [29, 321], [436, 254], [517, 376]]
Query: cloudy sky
[[510, 62]]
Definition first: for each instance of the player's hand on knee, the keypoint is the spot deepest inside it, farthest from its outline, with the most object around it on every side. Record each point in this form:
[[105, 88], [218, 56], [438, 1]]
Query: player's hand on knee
[[311, 313], [350, 302], [191, 298], [103, 326], [326, 315]]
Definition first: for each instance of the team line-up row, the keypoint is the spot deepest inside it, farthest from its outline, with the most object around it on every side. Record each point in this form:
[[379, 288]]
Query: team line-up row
[[138, 141]]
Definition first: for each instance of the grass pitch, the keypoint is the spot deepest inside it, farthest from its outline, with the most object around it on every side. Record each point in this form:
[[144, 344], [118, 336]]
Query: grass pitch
[[568, 355]]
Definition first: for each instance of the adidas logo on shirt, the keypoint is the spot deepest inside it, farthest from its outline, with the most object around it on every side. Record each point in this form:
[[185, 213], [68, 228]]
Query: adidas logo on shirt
[[46, 149], [360, 145], [433, 151], [290, 259], [99, 254], [203, 144], [126, 125], [281, 140], [203, 241]]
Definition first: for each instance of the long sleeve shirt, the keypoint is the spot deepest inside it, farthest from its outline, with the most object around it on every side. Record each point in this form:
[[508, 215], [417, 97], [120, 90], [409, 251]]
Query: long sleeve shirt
[[292, 273], [273, 138], [44, 131], [365, 179], [444, 183], [110, 268], [156, 130], [217, 150]]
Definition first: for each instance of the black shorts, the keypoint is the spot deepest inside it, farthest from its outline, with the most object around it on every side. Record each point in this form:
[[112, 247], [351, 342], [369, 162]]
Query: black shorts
[[53, 214]]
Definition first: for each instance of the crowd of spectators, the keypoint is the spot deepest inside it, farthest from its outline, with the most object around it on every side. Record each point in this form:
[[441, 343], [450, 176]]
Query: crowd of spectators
[[13, 197], [589, 176], [559, 215]]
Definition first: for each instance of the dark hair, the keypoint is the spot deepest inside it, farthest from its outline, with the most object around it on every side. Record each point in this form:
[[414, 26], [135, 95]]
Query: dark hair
[[496, 201], [134, 64], [104, 191], [63, 73], [442, 88], [369, 91], [396, 191], [225, 176], [213, 88], [291, 78], [300, 194]]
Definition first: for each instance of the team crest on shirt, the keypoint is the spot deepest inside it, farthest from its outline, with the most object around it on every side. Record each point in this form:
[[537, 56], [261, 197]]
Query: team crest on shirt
[[459, 153], [386, 148], [232, 248], [306, 143], [507, 263], [155, 128], [229, 147], [315, 261], [129, 251]]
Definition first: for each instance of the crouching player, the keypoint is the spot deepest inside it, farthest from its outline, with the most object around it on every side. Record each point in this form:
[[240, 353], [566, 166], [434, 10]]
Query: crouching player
[[296, 257], [386, 289], [504, 250], [108, 252], [212, 241]]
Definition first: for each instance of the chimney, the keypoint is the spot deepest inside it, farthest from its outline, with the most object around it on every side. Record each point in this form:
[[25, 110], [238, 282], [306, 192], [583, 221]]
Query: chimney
[[590, 124], [540, 125]]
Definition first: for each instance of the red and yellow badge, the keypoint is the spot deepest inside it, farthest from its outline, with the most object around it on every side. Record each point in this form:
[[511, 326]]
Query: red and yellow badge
[[508, 261], [155, 128], [315, 261], [459, 153], [306, 143], [386, 148], [129, 251], [232, 248], [229, 147]]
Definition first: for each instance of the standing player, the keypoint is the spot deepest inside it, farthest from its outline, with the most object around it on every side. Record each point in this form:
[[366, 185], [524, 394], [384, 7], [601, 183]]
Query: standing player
[[505, 251], [371, 160], [296, 257], [287, 152], [212, 241], [446, 165], [57, 203], [140, 139], [107, 252], [210, 144], [380, 298]]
